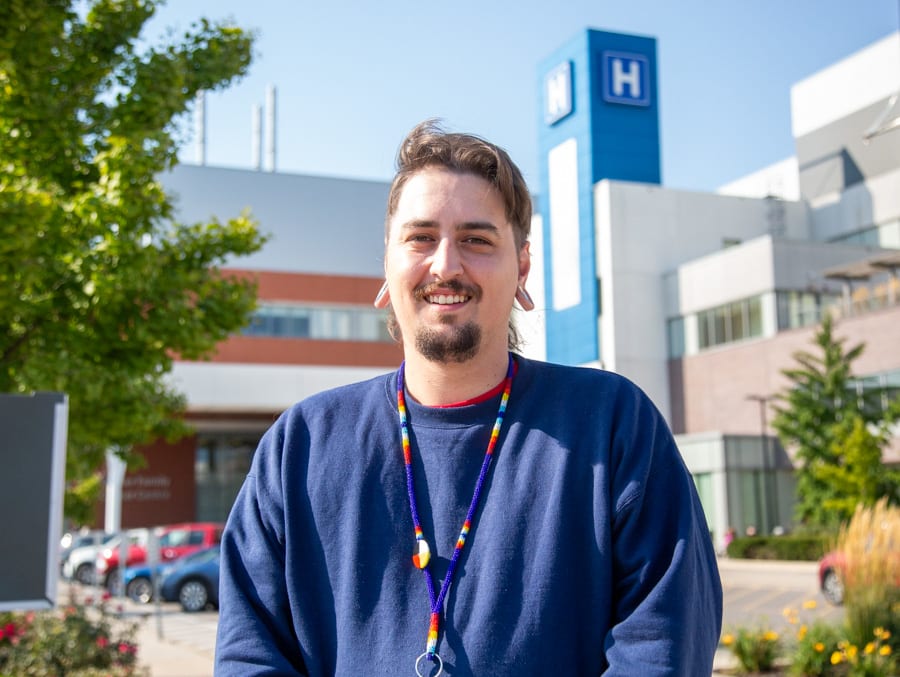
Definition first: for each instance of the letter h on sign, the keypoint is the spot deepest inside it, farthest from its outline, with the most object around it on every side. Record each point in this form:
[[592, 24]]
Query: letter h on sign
[[626, 78]]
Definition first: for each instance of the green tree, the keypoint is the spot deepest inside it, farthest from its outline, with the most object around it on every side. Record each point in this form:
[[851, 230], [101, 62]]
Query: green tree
[[102, 288], [858, 477], [837, 432]]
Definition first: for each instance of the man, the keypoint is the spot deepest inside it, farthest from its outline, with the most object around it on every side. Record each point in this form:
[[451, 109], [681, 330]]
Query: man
[[475, 512]]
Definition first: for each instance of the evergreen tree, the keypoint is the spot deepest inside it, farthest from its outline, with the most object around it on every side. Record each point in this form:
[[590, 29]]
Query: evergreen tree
[[101, 287], [836, 431]]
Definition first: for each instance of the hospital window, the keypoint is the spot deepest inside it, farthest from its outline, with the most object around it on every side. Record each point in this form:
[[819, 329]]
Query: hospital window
[[324, 323], [730, 322]]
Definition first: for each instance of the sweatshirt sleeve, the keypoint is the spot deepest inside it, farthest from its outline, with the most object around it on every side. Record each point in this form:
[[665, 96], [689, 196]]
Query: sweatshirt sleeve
[[255, 633], [667, 592]]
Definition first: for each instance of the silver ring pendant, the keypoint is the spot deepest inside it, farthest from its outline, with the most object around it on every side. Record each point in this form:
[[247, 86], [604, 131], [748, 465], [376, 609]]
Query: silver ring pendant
[[440, 666]]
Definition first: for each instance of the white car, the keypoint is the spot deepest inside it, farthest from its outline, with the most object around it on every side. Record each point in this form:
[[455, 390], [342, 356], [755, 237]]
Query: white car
[[80, 564]]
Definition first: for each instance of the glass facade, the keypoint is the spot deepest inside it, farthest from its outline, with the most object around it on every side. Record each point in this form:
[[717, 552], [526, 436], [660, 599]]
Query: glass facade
[[886, 235], [801, 308], [876, 391], [325, 323], [221, 463], [731, 322]]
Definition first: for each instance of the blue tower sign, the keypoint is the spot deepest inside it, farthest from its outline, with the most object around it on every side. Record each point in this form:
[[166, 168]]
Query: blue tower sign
[[599, 120]]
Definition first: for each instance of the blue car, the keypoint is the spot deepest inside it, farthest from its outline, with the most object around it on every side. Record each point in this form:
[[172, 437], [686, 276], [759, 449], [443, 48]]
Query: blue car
[[139, 582], [193, 581]]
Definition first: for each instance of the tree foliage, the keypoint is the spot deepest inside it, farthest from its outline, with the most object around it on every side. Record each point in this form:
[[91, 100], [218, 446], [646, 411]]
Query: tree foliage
[[837, 432], [102, 287]]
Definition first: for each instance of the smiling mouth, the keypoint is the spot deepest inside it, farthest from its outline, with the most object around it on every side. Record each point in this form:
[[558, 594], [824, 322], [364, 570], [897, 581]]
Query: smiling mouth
[[446, 299]]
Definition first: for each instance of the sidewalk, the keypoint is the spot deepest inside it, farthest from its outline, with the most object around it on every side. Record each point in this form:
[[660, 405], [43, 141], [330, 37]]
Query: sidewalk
[[185, 648]]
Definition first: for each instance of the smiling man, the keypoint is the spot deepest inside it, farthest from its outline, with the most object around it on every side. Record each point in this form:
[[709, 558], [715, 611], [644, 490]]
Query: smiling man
[[474, 512]]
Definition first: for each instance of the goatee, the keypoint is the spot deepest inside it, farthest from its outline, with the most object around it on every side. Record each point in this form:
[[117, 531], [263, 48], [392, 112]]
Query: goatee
[[459, 344]]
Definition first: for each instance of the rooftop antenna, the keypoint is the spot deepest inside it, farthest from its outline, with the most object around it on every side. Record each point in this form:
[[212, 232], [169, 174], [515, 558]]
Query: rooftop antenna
[[256, 138], [270, 128], [200, 126]]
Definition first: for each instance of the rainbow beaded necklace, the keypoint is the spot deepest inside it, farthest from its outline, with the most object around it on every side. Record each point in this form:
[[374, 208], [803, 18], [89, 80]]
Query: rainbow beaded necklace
[[423, 552]]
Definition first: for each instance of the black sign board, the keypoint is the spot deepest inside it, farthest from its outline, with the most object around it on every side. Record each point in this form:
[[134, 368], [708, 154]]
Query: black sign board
[[33, 430]]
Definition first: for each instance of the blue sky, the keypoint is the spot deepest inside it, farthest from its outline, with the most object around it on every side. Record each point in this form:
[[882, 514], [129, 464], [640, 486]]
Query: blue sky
[[353, 77]]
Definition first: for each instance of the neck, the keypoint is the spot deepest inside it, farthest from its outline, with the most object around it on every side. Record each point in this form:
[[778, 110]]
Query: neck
[[433, 383]]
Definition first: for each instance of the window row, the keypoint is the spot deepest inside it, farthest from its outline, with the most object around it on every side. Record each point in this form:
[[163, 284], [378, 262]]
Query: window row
[[743, 319], [324, 323], [886, 235]]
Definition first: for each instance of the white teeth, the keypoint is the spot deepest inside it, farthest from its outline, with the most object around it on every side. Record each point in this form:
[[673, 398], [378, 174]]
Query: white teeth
[[444, 299]]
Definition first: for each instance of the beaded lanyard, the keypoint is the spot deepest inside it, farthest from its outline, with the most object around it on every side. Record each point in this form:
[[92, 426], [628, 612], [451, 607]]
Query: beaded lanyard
[[423, 552]]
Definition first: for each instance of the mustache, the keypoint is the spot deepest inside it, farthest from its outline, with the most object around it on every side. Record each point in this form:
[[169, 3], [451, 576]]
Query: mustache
[[455, 286]]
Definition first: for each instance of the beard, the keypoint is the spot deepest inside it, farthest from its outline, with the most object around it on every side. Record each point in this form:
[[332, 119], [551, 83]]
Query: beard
[[459, 344]]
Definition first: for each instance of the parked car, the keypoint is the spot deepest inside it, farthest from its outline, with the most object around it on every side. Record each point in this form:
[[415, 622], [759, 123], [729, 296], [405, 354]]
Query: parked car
[[830, 583], [139, 579], [831, 575], [175, 540], [194, 581], [72, 540], [80, 564]]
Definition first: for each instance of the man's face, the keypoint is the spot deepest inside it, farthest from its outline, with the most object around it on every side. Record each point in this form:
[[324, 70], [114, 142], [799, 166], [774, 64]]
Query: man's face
[[452, 265]]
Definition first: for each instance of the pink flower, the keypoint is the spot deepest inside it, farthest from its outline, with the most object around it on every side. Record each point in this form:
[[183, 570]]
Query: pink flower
[[106, 595], [102, 642], [9, 630]]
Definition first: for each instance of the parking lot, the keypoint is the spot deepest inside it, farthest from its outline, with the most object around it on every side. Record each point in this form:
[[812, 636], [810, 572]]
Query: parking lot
[[178, 644]]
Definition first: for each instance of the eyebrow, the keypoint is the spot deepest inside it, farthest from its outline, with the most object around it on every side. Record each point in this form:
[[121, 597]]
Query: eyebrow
[[417, 224]]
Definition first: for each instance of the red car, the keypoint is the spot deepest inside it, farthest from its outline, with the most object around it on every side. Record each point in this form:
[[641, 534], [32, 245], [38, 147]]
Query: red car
[[175, 540], [830, 583]]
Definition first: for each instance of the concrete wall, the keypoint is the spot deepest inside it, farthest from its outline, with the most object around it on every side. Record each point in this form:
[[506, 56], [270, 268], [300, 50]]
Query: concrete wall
[[318, 224], [643, 231]]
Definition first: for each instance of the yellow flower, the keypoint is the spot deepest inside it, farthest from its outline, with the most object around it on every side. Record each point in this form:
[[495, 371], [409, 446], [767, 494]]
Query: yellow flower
[[770, 636], [852, 651], [727, 639], [884, 651], [801, 633], [809, 604], [870, 648], [819, 647], [836, 657]]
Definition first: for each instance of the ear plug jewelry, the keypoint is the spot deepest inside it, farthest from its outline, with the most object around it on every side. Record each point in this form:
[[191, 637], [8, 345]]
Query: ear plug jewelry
[[524, 298], [380, 295]]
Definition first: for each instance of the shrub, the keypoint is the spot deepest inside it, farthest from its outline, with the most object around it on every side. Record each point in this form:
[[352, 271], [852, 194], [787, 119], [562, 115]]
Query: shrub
[[813, 646], [875, 659], [755, 649], [74, 640], [800, 547]]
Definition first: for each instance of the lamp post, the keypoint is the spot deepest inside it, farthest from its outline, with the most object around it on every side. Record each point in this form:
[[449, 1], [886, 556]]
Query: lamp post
[[771, 497]]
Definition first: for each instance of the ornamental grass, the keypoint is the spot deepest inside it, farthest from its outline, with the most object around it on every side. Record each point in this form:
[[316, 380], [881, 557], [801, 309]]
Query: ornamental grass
[[870, 546]]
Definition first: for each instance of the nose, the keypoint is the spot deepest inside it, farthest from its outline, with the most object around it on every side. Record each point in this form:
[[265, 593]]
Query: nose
[[446, 262]]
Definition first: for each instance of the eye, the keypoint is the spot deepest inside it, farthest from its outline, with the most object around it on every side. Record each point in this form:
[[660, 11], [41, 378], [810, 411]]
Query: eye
[[420, 237], [477, 241]]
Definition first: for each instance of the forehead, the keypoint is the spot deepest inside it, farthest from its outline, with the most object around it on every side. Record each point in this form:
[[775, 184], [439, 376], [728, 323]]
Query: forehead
[[436, 193]]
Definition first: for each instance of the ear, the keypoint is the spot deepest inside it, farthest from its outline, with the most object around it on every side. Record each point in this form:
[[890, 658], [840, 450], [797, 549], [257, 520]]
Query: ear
[[383, 298]]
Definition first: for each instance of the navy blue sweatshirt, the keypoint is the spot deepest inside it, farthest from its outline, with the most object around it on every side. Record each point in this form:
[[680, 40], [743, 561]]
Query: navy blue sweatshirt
[[589, 553]]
